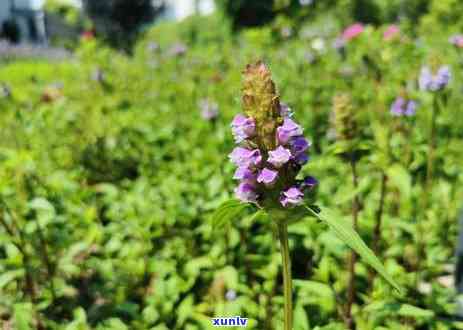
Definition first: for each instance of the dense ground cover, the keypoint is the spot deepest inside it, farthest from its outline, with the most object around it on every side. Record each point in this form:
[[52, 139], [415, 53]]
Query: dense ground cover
[[110, 171]]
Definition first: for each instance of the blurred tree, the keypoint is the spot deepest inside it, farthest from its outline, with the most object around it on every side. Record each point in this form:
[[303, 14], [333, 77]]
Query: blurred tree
[[11, 31], [119, 21], [244, 13]]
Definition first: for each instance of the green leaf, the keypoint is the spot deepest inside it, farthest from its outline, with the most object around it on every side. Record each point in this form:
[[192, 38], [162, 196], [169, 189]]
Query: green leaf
[[9, 276], [185, 310], [226, 212], [348, 235], [405, 310], [300, 318], [23, 316], [400, 178], [415, 312]]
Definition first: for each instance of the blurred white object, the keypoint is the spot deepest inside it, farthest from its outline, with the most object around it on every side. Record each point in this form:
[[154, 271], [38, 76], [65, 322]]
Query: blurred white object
[[180, 9], [319, 45]]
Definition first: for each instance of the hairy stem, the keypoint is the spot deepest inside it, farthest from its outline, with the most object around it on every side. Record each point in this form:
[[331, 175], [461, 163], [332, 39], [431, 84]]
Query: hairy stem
[[287, 286], [351, 289], [378, 223]]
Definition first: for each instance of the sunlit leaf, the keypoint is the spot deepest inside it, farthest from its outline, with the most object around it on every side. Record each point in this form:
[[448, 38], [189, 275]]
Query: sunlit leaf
[[226, 212], [348, 235]]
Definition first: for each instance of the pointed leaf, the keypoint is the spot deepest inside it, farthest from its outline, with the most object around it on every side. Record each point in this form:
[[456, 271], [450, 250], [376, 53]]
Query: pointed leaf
[[226, 212], [348, 235]]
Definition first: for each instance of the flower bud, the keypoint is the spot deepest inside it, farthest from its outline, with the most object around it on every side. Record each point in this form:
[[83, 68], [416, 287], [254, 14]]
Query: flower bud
[[344, 117], [261, 102]]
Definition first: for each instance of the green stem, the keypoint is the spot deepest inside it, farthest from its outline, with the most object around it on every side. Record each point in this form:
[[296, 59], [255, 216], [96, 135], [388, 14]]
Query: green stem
[[432, 144], [351, 289], [377, 228], [421, 254], [287, 286]]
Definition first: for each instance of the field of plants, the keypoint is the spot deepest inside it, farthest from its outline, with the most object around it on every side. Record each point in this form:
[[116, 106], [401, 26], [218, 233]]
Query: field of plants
[[113, 167]]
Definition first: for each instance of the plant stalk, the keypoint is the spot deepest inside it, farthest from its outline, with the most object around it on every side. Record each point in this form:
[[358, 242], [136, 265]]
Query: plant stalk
[[46, 259], [378, 223], [351, 289], [421, 254], [287, 285], [431, 146]]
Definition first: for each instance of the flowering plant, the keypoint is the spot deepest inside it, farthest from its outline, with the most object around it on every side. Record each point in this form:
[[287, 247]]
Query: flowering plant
[[271, 147], [270, 153]]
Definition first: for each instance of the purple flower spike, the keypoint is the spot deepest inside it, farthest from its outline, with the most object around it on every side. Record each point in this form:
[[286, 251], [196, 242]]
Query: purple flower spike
[[402, 107], [279, 156], [411, 108], [291, 197], [425, 79], [443, 77], [244, 157], [267, 176], [242, 128], [245, 174], [429, 82], [271, 147], [397, 106], [288, 130], [245, 192]]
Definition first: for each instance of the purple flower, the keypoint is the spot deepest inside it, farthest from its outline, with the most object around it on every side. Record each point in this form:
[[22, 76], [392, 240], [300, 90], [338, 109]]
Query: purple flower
[[397, 106], [402, 107], [301, 159], [443, 76], [178, 49], [267, 176], [411, 108], [230, 295], [242, 128], [245, 192], [298, 145], [209, 110], [291, 197], [279, 156], [457, 40], [245, 157], [429, 82], [285, 110], [245, 174], [288, 130], [309, 182]]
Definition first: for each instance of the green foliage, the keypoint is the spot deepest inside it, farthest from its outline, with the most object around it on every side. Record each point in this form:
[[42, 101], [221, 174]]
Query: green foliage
[[110, 177], [120, 21], [348, 235]]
